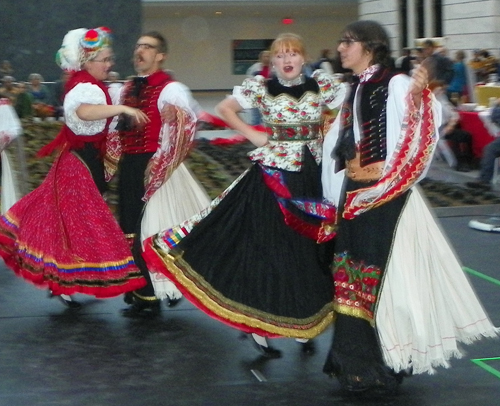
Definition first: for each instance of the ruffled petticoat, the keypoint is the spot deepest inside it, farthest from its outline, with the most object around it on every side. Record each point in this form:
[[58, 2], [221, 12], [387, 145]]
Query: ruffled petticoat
[[62, 236], [177, 200]]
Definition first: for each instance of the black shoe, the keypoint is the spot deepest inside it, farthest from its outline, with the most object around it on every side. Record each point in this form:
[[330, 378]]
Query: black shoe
[[72, 304], [267, 352], [142, 309], [173, 302], [479, 184], [128, 298], [308, 347]]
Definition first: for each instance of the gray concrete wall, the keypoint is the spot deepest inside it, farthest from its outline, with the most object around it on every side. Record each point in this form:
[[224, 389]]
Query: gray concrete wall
[[31, 31]]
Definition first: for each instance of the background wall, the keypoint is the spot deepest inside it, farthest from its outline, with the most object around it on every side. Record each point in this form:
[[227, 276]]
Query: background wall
[[200, 47], [31, 31], [473, 25], [467, 24]]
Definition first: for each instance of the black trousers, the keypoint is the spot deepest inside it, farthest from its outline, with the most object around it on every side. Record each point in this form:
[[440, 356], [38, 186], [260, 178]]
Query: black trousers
[[131, 190]]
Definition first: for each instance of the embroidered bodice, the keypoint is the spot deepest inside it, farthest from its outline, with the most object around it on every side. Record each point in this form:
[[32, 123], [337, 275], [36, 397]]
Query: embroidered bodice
[[292, 116]]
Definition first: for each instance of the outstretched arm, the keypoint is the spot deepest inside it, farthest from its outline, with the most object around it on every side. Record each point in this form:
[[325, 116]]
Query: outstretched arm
[[91, 112], [228, 109]]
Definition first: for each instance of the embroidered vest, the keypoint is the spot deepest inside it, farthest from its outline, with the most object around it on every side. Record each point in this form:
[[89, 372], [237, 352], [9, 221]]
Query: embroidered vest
[[142, 93], [373, 121]]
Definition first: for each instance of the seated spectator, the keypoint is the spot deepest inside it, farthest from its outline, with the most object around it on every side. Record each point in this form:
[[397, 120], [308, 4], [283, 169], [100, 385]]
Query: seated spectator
[[42, 103], [24, 102], [9, 89], [6, 69], [490, 153]]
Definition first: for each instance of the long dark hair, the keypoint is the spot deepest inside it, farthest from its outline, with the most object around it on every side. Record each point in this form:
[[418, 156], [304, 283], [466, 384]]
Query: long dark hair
[[374, 39]]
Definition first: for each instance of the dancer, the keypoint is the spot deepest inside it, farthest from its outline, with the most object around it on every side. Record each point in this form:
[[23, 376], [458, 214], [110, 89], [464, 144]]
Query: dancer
[[251, 259], [156, 191], [401, 297], [62, 236], [10, 129]]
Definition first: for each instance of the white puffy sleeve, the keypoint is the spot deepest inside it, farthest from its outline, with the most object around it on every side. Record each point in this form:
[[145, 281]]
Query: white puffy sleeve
[[180, 96], [249, 94], [83, 93], [333, 93]]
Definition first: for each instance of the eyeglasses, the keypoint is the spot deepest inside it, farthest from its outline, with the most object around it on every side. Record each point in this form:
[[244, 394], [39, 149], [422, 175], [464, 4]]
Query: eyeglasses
[[109, 59], [145, 46], [347, 42]]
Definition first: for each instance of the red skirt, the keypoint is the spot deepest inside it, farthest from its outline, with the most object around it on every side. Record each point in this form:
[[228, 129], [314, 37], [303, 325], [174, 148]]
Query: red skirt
[[62, 236]]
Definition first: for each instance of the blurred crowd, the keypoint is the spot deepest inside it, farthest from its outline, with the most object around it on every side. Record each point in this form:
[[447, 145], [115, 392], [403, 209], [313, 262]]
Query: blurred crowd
[[37, 98]]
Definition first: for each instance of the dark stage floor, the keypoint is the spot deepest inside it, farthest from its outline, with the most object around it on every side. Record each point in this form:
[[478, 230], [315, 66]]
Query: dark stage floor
[[94, 356]]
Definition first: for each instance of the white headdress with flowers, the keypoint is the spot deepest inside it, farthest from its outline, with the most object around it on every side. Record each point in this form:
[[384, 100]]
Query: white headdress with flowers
[[82, 45]]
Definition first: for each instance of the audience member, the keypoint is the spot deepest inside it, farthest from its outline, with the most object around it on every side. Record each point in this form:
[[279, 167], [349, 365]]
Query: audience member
[[58, 96], [24, 102], [458, 84], [404, 63], [443, 65], [452, 138], [9, 89], [483, 64], [325, 62], [6, 69], [263, 67], [42, 103], [490, 153]]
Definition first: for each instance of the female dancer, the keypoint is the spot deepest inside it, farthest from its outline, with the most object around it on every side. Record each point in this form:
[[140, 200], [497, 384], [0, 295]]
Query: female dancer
[[401, 296], [251, 260], [62, 235]]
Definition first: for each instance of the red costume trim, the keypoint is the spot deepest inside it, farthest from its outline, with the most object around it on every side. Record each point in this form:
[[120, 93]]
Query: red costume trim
[[67, 138], [405, 167]]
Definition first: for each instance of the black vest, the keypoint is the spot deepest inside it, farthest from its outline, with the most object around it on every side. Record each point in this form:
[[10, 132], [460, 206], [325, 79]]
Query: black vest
[[372, 118]]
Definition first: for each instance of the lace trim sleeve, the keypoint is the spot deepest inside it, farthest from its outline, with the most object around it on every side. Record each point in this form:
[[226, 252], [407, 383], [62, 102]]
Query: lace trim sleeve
[[83, 93]]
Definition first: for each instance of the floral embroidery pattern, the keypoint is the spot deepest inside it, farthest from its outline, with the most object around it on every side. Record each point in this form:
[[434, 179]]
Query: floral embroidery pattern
[[291, 123], [356, 286]]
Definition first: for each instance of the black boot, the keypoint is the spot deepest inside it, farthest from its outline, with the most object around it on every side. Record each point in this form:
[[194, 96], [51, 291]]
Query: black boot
[[265, 351], [142, 308]]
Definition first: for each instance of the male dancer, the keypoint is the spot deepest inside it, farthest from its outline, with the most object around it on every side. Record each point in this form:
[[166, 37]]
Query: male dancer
[[149, 159]]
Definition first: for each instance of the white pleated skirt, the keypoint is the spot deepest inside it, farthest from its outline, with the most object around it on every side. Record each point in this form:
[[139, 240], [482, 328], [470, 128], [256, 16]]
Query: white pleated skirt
[[178, 199], [427, 304]]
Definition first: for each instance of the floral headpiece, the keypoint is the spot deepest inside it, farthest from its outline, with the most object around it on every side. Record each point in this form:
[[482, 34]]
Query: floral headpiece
[[82, 45]]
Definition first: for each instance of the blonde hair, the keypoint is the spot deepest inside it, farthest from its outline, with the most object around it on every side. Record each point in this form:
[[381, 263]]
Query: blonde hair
[[288, 42]]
